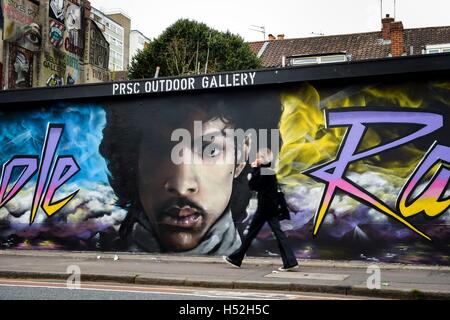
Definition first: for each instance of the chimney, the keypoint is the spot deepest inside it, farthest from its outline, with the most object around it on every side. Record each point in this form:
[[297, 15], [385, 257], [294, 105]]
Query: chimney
[[271, 37], [280, 37], [397, 38], [386, 27]]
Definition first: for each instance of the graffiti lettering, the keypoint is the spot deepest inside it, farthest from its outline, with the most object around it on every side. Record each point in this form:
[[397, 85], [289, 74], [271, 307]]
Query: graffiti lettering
[[72, 62], [333, 173], [49, 180], [70, 47], [21, 12], [56, 64], [429, 201], [100, 74]]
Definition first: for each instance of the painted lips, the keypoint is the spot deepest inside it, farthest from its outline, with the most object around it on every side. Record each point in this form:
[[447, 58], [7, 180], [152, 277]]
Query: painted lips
[[182, 217]]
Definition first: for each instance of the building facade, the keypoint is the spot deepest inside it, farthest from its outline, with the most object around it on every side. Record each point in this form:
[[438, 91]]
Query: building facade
[[116, 26], [96, 55], [137, 42], [44, 42]]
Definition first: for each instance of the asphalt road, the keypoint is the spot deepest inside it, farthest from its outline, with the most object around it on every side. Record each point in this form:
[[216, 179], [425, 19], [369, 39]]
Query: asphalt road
[[57, 290]]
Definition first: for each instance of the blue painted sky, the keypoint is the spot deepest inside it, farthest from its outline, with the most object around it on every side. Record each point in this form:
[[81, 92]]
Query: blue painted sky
[[23, 133]]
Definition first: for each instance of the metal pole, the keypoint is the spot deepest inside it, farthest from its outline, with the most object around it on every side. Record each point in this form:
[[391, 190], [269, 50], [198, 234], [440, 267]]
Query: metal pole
[[381, 9], [207, 55], [395, 9]]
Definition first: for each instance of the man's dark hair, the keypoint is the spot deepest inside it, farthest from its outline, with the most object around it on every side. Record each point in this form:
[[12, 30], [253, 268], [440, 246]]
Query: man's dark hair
[[126, 120]]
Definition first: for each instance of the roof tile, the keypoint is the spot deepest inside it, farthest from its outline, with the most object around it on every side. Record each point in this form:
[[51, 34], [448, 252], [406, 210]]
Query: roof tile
[[360, 46]]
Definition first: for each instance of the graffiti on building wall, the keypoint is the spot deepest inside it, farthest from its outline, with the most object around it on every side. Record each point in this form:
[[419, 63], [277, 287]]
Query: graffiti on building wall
[[430, 201], [99, 48], [56, 10], [100, 74], [56, 33], [365, 170], [66, 35], [73, 68], [20, 67], [21, 25], [73, 24], [54, 68], [97, 52], [66, 22], [49, 179]]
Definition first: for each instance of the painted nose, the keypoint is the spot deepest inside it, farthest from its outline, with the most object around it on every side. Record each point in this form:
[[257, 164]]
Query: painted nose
[[184, 182]]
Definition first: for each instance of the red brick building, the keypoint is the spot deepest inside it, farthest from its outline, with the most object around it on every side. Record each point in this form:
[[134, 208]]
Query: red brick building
[[391, 41]]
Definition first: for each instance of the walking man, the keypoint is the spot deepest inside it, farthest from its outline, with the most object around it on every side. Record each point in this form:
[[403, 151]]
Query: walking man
[[266, 186]]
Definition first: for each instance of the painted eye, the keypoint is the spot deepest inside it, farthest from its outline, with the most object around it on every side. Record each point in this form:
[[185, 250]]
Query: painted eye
[[214, 152], [34, 38], [211, 151]]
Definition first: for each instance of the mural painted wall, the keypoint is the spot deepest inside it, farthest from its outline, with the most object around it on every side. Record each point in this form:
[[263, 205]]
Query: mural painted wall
[[20, 67], [364, 166], [21, 24], [54, 36], [66, 37], [97, 53], [22, 34], [54, 68]]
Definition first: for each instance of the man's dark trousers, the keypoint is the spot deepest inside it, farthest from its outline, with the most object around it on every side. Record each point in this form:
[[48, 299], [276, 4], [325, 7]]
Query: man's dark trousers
[[259, 219]]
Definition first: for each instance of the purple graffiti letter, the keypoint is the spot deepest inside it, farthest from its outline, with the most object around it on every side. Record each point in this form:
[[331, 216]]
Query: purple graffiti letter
[[333, 173], [66, 168], [429, 200], [30, 167], [54, 132]]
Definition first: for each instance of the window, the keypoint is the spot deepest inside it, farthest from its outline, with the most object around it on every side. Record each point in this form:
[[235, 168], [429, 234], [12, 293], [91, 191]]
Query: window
[[301, 61], [437, 48], [334, 58], [430, 51]]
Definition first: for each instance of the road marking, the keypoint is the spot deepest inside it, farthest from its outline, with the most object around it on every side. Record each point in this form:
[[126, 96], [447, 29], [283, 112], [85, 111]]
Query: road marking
[[123, 291], [308, 276], [275, 296], [173, 291]]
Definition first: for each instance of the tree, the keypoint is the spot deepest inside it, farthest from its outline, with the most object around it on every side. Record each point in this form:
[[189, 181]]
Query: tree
[[188, 47]]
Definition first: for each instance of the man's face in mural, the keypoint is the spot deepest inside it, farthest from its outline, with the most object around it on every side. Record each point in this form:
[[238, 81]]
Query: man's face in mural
[[184, 200]]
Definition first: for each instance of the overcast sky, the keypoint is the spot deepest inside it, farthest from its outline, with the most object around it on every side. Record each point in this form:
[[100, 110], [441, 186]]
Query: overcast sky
[[294, 18]]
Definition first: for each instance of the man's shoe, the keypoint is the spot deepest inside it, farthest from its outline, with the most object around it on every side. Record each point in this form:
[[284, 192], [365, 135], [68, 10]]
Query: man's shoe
[[230, 262], [283, 269]]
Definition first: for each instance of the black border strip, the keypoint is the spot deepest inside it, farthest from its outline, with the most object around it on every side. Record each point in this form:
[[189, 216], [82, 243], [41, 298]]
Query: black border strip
[[347, 70]]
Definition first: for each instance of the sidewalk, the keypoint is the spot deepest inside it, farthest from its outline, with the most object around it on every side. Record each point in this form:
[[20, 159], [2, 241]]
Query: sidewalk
[[347, 277]]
